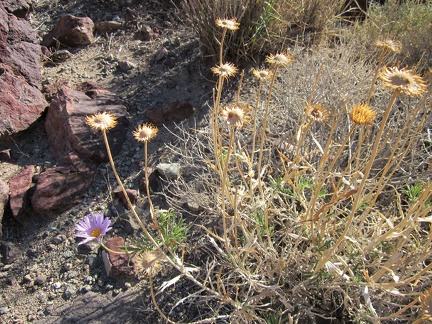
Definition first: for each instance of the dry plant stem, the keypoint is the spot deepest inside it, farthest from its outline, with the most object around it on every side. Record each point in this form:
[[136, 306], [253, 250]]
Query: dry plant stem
[[263, 130], [216, 131], [358, 195], [255, 120], [155, 302], [179, 267], [380, 60], [146, 176], [221, 46], [224, 186]]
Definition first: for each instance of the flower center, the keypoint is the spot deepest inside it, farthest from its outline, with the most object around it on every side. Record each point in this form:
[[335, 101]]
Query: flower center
[[96, 232], [400, 80], [316, 114]]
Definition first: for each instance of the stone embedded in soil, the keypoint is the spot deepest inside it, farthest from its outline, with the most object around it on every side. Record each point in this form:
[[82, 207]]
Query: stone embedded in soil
[[21, 101], [172, 112], [117, 265], [70, 31], [10, 252], [132, 194], [19, 186], [66, 127], [63, 186], [169, 171]]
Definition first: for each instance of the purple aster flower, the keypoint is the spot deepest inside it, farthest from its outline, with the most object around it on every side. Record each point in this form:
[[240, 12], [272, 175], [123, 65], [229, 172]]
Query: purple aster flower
[[93, 227]]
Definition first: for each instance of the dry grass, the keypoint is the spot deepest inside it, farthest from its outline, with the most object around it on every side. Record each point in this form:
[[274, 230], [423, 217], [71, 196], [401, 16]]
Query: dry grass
[[267, 26]]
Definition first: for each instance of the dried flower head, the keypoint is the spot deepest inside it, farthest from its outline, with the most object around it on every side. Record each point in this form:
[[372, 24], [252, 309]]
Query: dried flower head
[[403, 80], [230, 24], [362, 114], [93, 227], [426, 304], [101, 121], [236, 115], [148, 263], [389, 44], [283, 59], [317, 113], [262, 75], [145, 132], [225, 70]]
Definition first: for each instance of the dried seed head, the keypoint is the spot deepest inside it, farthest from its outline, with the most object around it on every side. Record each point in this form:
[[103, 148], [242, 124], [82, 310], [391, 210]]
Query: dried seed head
[[230, 24], [283, 59], [403, 80], [389, 44], [262, 75], [362, 114], [225, 70], [145, 132], [236, 115], [148, 263], [317, 113], [101, 121]]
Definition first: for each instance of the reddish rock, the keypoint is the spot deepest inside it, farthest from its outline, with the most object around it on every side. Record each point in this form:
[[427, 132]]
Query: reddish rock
[[70, 31], [132, 194], [66, 127], [20, 103], [19, 186], [117, 265], [63, 186], [4, 196], [20, 8], [172, 112]]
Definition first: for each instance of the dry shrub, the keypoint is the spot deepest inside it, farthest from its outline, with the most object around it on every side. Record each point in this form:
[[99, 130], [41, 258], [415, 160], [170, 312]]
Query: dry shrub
[[267, 26]]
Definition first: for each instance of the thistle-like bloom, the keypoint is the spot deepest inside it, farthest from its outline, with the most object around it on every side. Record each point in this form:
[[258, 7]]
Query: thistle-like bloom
[[317, 113], [389, 44], [426, 304], [262, 75], [148, 263], [225, 70], [93, 227], [362, 114], [145, 132], [236, 115], [230, 24], [101, 121], [283, 59], [403, 80]]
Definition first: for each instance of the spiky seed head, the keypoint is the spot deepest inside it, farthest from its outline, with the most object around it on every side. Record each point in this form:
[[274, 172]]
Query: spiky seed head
[[426, 304], [262, 75], [317, 113], [389, 44], [230, 24], [236, 115], [148, 263], [102, 121], [362, 114], [225, 70], [403, 80], [145, 132], [282, 59]]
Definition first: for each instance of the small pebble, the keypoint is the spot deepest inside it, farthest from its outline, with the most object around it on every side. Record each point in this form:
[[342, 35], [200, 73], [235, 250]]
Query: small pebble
[[4, 310]]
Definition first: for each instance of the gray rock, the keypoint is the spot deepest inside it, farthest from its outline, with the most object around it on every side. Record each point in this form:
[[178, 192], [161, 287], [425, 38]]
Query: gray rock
[[169, 171], [4, 310], [126, 66], [69, 292]]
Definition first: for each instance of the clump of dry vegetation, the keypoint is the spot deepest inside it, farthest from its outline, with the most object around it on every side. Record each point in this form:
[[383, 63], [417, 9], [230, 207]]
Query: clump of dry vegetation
[[320, 201]]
